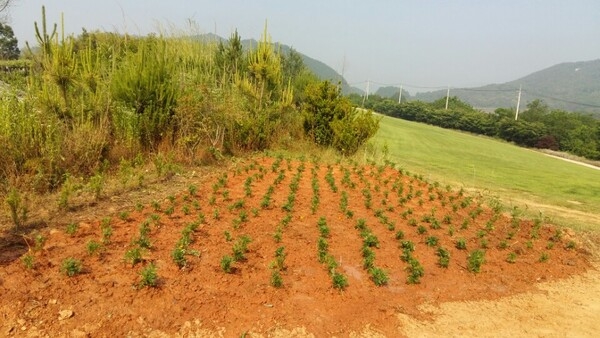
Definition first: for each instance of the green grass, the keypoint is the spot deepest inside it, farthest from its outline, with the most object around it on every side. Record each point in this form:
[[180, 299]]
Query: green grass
[[517, 175]]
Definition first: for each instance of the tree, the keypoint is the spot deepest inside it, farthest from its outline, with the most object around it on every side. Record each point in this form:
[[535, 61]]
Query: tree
[[9, 49], [4, 5], [330, 119], [229, 57], [292, 64]]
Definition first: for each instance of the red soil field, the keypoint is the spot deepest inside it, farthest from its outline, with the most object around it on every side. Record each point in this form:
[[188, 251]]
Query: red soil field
[[107, 298]]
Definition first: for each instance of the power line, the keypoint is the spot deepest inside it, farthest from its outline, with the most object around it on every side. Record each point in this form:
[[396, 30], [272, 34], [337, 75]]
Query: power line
[[562, 100], [503, 90]]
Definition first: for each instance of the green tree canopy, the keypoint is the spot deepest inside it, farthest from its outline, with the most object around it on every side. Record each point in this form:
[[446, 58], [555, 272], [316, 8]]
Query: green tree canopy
[[9, 49]]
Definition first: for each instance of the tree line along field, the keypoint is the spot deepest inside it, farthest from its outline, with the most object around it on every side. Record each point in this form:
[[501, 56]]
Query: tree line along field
[[565, 191], [275, 241]]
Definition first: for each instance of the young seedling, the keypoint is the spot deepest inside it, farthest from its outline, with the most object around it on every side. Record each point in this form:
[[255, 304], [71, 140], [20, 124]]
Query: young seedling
[[415, 272], [276, 279], [432, 241], [379, 276], [39, 241], [340, 281], [475, 260], [322, 247], [92, 247], [133, 256], [71, 266], [192, 189], [444, 257], [106, 230], [240, 248], [72, 228], [149, 276], [28, 260], [323, 228], [280, 258], [226, 263]]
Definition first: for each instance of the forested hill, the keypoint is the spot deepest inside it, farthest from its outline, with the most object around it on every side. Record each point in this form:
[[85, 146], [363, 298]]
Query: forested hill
[[572, 86], [320, 69]]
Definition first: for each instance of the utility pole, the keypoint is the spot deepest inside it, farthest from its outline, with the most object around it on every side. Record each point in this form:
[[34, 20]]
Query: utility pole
[[343, 68], [366, 94], [400, 96], [518, 103], [447, 97]]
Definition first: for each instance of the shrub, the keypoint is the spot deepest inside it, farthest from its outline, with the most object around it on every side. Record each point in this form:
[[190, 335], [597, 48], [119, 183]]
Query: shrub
[[330, 120], [17, 208]]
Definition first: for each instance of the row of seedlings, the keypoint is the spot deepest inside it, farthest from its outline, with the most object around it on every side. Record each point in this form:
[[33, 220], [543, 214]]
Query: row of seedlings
[[278, 266], [339, 280], [370, 241]]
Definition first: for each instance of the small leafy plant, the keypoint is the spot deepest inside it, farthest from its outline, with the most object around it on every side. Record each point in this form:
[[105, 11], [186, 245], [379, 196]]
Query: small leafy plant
[[339, 281], [28, 260], [226, 263], [475, 260], [17, 208], [149, 276], [92, 247], [72, 228], [443, 257], [461, 244], [379, 276], [133, 256], [276, 279], [71, 266]]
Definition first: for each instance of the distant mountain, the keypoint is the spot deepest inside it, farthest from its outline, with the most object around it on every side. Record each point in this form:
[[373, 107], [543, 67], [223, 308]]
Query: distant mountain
[[392, 93], [320, 69], [573, 86]]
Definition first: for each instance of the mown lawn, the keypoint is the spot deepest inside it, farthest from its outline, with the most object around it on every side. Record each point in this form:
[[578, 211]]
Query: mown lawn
[[510, 172]]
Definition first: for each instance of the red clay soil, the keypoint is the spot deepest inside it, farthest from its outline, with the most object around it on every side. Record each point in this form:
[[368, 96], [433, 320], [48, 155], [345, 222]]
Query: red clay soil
[[106, 299]]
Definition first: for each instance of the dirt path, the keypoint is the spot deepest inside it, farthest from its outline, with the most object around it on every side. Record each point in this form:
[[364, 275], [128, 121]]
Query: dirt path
[[574, 161], [567, 308]]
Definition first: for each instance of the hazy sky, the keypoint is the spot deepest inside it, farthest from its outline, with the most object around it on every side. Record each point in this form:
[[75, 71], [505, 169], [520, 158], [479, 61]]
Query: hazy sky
[[428, 43]]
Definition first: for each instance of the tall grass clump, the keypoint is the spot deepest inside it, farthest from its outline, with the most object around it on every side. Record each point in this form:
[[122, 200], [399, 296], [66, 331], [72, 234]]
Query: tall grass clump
[[102, 97]]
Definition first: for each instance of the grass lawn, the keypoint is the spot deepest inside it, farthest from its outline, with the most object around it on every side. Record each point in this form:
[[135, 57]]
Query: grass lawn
[[517, 175]]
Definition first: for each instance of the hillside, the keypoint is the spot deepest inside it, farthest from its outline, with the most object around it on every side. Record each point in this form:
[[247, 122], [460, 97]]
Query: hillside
[[573, 86], [567, 192], [320, 69]]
